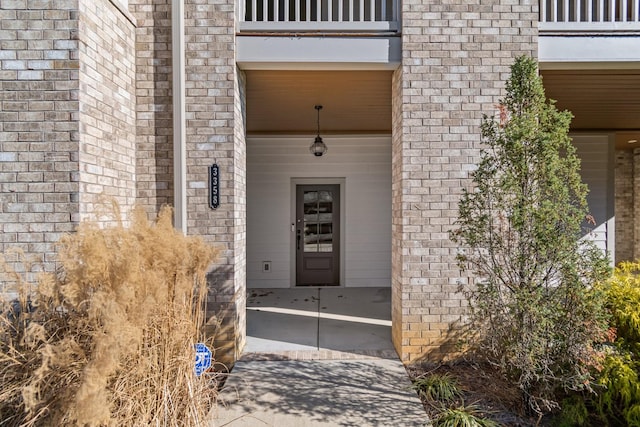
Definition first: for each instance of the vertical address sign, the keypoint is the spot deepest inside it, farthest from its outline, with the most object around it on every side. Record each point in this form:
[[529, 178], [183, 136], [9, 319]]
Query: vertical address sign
[[214, 186]]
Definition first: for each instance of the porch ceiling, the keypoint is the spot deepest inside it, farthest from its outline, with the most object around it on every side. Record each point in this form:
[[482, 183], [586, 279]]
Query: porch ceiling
[[360, 101], [599, 100], [353, 101]]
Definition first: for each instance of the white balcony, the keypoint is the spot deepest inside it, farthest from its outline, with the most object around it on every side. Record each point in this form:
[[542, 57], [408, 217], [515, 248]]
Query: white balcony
[[591, 33], [356, 34], [598, 17], [319, 16], [594, 17]]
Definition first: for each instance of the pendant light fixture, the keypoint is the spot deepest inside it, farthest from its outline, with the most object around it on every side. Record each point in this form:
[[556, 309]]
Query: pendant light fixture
[[318, 148]]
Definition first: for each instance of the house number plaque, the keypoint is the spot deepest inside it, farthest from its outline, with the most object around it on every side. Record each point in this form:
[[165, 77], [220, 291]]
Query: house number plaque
[[214, 186]]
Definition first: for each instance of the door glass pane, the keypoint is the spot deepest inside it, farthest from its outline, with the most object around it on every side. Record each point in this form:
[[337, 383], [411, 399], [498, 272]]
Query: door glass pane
[[318, 221], [325, 221], [310, 221]]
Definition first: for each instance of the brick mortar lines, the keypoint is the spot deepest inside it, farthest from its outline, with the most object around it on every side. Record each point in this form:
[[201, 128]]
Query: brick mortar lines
[[108, 113], [624, 206], [213, 136], [39, 128], [453, 70], [154, 111]]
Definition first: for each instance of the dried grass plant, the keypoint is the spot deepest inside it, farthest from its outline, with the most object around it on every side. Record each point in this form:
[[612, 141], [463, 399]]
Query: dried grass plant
[[109, 339]]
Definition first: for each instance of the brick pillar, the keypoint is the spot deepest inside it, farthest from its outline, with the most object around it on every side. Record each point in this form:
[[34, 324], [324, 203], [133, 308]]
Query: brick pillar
[[39, 128], [456, 58], [107, 150], [636, 204], [67, 110], [154, 104], [215, 134], [624, 205]]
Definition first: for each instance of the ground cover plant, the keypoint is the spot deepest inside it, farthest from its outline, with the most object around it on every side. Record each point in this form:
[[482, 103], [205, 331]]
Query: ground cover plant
[[462, 416], [520, 230], [444, 401], [437, 387], [109, 339]]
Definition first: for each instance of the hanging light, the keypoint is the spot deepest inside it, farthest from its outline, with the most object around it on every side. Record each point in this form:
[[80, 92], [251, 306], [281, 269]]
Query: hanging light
[[318, 148]]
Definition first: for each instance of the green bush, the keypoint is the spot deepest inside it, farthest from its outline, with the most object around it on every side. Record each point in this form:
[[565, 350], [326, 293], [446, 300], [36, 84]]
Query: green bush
[[574, 412], [623, 300], [618, 399]]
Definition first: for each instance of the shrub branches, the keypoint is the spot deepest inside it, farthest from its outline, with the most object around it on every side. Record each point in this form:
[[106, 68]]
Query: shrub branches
[[520, 231]]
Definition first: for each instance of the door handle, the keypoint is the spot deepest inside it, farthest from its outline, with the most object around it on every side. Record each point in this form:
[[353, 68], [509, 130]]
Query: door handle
[[298, 237]]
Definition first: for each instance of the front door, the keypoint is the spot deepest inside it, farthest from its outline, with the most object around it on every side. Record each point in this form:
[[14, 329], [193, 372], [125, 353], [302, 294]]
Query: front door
[[317, 235]]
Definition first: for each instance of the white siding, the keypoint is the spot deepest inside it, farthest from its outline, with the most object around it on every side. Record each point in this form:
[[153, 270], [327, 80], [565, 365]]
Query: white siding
[[362, 164], [596, 155]]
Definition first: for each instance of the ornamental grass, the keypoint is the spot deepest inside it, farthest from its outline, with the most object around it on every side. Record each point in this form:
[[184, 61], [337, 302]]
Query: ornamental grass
[[108, 340]]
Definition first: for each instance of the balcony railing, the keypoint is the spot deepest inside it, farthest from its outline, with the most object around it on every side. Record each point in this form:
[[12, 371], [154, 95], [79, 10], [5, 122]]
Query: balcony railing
[[319, 15], [590, 16], [352, 16]]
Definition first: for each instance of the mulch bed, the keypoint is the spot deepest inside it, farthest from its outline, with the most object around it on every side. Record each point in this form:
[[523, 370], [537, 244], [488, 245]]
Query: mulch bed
[[483, 387]]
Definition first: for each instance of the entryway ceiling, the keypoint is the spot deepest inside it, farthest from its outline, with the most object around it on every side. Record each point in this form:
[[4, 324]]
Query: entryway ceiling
[[599, 100], [360, 101], [353, 101]]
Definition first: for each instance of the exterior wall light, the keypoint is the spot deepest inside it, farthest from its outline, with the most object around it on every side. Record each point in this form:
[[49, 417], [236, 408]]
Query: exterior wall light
[[318, 148]]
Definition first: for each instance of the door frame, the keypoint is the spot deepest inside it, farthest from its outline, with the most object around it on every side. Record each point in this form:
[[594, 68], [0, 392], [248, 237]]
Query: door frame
[[341, 182]]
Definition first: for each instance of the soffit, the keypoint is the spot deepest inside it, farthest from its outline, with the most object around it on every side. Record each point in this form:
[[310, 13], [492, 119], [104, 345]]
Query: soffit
[[360, 101], [606, 100], [353, 101]]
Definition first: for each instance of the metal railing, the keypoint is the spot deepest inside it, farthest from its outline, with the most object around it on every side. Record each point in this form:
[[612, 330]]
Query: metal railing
[[590, 15], [319, 15]]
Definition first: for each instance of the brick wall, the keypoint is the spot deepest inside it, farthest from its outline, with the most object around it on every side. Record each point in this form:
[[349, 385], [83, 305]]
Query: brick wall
[[214, 92], [240, 209], [456, 57], [624, 205], [154, 141], [215, 134], [67, 130], [636, 204], [107, 106], [38, 125], [401, 306]]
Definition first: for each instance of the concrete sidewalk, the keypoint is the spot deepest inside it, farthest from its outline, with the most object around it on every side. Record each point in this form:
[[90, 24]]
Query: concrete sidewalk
[[299, 393], [318, 357]]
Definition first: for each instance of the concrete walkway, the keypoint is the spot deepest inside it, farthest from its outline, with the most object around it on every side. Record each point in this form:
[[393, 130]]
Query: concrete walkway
[[318, 357], [296, 393]]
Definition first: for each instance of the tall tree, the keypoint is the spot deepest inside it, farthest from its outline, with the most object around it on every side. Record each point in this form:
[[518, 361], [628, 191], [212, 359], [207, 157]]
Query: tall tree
[[520, 230]]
